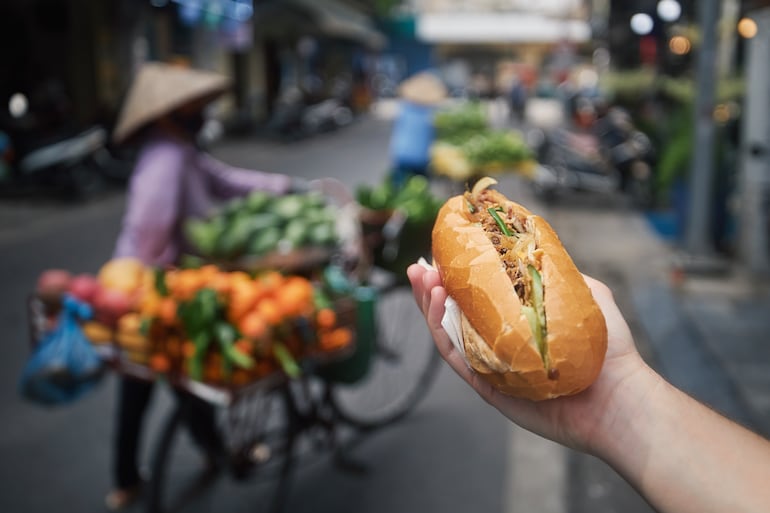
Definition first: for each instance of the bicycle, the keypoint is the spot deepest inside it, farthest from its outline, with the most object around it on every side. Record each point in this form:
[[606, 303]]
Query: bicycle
[[269, 426]]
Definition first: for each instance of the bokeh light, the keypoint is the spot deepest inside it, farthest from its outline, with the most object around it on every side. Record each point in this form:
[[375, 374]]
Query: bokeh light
[[642, 24], [669, 10], [747, 28], [679, 45], [18, 105]]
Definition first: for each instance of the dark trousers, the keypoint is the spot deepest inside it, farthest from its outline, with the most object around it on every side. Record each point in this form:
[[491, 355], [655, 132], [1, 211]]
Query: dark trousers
[[404, 172], [134, 398]]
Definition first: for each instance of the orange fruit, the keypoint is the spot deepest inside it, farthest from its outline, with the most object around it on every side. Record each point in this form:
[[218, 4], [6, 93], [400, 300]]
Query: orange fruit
[[302, 285], [253, 325], [185, 283], [245, 346], [188, 349], [289, 302], [326, 318], [335, 339], [270, 311], [236, 276], [271, 281], [160, 362], [245, 292], [150, 304], [220, 282], [295, 297], [97, 332], [207, 271], [130, 323], [167, 311]]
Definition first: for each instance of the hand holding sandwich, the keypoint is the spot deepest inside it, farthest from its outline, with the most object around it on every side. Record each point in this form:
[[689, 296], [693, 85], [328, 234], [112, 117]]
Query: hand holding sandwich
[[575, 420], [680, 455]]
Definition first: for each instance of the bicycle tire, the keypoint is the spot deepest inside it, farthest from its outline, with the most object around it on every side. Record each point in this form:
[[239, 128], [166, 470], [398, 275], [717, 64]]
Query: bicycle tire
[[169, 438], [179, 475], [403, 367]]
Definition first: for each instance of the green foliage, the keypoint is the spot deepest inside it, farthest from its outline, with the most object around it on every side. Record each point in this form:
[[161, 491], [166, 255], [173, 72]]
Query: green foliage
[[459, 124], [676, 153], [205, 323], [645, 83]]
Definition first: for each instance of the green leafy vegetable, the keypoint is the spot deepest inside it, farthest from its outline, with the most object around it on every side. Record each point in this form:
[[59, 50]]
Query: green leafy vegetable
[[503, 227], [286, 360]]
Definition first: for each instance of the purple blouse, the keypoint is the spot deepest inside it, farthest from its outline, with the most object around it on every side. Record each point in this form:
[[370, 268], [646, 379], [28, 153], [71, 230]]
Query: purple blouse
[[174, 181]]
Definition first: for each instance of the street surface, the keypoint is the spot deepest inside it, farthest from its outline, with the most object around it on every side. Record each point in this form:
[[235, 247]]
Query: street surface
[[454, 454]]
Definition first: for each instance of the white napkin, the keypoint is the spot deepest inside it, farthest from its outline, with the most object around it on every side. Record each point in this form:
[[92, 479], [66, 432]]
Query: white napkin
[[451, 320]]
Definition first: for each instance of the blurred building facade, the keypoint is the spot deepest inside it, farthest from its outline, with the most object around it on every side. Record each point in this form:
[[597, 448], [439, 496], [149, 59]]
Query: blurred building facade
[[484, 45], [81, 54]]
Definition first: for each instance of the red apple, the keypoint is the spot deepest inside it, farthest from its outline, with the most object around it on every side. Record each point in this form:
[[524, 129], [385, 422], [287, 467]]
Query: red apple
[[110, 305], [84, 287], [52, 284]]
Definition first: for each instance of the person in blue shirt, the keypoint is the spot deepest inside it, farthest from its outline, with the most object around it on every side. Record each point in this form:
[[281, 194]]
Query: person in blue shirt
[[413, 130]]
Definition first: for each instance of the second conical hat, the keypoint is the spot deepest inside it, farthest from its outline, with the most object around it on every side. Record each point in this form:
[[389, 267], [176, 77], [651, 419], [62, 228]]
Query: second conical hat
[[424, 88], [160, 88]]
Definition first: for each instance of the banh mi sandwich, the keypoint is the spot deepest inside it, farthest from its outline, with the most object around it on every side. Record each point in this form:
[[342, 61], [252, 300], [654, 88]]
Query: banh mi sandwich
[[530, 325]]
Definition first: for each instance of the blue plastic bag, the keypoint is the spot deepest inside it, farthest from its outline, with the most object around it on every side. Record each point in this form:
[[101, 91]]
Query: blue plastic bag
[[64, 365]]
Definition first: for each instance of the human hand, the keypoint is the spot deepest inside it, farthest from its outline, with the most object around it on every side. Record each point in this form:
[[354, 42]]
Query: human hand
[[581, 421]]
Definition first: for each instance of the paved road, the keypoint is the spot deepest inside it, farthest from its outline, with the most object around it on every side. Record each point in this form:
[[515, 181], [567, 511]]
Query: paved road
[[454, 455]]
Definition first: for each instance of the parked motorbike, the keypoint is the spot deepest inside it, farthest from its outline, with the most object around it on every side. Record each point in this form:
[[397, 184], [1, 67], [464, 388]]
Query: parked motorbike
[[610, 156], [73, 165], [297, 116]]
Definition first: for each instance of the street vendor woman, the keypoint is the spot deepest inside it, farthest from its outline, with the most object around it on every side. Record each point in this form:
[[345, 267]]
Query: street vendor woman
[[413, 129], [173, 180]]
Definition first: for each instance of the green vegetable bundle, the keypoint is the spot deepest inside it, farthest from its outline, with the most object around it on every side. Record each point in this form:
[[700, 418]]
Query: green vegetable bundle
[[495, 147], [457, 125], [413, 198], [259, 224], [419, 207]]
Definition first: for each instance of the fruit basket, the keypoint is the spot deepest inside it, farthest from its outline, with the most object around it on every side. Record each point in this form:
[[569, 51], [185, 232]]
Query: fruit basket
[[208, 330]]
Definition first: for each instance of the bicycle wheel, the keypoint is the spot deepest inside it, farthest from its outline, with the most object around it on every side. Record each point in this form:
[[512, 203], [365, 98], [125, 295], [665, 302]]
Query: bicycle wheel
[[257, 438], [176, 468], [403, 365]]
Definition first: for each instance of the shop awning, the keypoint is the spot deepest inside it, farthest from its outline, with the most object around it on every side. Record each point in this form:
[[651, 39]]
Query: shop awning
[[319, 17], [499, 28], [336, 19]]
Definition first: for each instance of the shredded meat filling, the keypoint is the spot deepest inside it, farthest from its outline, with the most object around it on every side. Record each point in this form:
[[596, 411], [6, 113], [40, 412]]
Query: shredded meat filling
[[516, 251], [514, 239]]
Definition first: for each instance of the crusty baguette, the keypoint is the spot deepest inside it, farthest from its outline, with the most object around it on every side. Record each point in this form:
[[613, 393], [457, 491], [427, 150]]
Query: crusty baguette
[[498, 339]]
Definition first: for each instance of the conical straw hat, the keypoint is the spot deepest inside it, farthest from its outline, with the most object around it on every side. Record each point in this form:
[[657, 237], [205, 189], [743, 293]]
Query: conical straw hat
[[424, 88], [160, 88]]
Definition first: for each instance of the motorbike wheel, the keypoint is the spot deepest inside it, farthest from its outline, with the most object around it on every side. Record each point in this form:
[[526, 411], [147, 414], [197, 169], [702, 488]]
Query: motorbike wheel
[[544, 193], [85, 180], [342, 116], [640, 187]]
